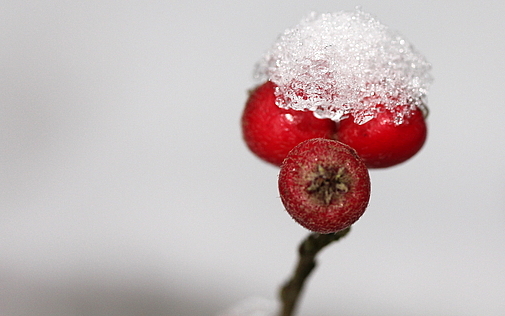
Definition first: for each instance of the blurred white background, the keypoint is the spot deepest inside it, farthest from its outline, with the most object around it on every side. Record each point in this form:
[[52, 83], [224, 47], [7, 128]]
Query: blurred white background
[[125, 188]]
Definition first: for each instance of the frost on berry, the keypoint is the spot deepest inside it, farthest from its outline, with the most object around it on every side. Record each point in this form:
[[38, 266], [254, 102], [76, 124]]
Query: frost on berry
[[271, 132], [345, 63], [382, 143]]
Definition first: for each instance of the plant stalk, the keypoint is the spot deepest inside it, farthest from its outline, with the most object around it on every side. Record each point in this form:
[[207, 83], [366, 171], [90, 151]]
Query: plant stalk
[[308, 249]]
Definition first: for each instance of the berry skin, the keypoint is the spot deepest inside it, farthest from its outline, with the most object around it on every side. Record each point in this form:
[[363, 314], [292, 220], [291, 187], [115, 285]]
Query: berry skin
[[380, 142], [271, 132], [324, 185]]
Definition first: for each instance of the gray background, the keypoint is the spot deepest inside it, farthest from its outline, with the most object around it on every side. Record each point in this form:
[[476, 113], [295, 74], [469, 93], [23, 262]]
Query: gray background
[[125, 188]]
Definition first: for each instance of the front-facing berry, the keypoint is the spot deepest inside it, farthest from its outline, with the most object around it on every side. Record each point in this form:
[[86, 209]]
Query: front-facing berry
[[324, 185], [271, 132]]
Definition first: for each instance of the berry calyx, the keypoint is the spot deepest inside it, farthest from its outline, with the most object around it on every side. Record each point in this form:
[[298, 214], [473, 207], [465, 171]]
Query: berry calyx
[[271, 132], [324, 185], [382, 142]]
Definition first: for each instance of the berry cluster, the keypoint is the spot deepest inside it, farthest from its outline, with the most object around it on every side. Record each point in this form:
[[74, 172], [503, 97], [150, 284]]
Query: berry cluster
[[341, 94], [324, 182]]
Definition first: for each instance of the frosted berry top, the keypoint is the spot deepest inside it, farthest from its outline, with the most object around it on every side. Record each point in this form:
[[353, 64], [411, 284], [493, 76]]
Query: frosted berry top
[[345, 63]]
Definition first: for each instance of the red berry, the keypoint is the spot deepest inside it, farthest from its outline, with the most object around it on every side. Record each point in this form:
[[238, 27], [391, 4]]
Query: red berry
[[324, 185], [271, 132], [382, 143]]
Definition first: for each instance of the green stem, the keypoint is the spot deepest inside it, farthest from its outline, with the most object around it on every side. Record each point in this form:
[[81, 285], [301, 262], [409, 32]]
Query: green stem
[[308, 250]]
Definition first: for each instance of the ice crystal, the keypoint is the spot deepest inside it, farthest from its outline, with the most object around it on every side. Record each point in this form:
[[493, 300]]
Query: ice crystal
[[345, 63]]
